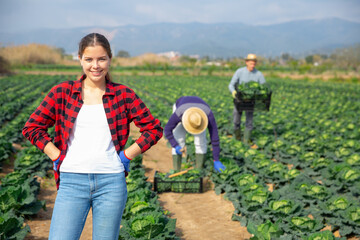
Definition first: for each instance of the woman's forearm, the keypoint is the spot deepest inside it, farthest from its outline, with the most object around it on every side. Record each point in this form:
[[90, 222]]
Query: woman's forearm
[[52, 151], [132, 151]]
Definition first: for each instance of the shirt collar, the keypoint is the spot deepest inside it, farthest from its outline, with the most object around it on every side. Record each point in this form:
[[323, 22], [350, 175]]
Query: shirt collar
[[253, 71], [109, 86]]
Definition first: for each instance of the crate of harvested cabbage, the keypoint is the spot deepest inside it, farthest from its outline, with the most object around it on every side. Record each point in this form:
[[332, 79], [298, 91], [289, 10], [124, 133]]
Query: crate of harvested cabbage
[[187, 182], [253, 96]]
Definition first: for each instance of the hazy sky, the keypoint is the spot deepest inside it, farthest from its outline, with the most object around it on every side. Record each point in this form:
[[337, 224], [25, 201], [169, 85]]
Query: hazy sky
[[18, 15]]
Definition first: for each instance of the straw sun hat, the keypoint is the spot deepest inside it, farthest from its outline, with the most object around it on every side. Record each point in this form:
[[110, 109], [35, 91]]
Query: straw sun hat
[[251, 57], [194, 120]]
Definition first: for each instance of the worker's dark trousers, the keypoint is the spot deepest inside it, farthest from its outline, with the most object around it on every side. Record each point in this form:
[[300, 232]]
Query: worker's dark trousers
[[237, 119]]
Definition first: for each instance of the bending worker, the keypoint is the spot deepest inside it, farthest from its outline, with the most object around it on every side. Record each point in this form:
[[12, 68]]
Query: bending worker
[[242, 76], [193, 115]]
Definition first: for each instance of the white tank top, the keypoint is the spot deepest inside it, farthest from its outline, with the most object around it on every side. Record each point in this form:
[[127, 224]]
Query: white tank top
[[90, 147]]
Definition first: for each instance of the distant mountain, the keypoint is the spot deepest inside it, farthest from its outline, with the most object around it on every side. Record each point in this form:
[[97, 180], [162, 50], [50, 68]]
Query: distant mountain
[[214, 40]]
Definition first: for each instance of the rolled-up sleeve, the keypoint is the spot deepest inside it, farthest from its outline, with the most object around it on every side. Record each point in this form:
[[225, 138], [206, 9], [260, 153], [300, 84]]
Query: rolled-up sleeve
[[150, 127], [35, 129]]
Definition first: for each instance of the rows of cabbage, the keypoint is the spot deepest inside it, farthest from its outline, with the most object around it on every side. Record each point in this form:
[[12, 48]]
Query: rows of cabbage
[[143, 216], [19, 189], [308, 152], [19, 192]]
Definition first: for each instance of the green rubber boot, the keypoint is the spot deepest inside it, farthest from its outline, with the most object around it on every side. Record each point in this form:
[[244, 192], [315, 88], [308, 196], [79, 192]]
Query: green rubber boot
[[247, 136], [199, 160], [176, 162], [237, 133]]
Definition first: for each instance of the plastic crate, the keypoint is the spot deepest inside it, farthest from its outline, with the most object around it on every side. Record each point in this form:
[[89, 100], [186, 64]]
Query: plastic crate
[[173, 185], [257, 103]]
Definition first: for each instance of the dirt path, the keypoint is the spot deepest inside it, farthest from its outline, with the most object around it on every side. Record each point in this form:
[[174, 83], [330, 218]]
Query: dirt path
[[204, 216]]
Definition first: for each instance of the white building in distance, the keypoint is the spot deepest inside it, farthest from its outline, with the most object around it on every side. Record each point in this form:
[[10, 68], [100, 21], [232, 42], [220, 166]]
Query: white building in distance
[[172, 55]]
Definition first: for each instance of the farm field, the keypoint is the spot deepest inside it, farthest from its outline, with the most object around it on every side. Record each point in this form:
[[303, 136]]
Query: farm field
[[302, 177]]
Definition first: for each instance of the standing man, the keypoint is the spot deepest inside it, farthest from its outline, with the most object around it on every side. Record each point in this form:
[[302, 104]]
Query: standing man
[[242, 76], [193, 115]]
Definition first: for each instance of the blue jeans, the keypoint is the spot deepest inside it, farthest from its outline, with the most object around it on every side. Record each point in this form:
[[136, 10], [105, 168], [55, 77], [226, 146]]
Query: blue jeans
[[106, 194]]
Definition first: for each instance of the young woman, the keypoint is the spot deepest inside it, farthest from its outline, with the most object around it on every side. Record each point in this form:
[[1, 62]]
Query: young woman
[[91, 118]]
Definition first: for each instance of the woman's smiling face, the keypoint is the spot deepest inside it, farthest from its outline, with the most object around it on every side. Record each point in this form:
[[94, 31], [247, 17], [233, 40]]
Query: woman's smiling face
[[95, 63]]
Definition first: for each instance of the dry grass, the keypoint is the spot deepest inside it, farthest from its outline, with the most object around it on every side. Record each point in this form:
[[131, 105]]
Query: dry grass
[[31, 54], [147, 58], [4, 66]]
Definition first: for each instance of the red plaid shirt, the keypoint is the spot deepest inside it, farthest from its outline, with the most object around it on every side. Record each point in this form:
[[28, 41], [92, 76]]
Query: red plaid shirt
[[63, 103]]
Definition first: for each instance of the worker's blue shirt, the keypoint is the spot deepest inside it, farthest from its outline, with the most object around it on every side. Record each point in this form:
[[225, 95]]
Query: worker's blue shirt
[[242, 75]]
